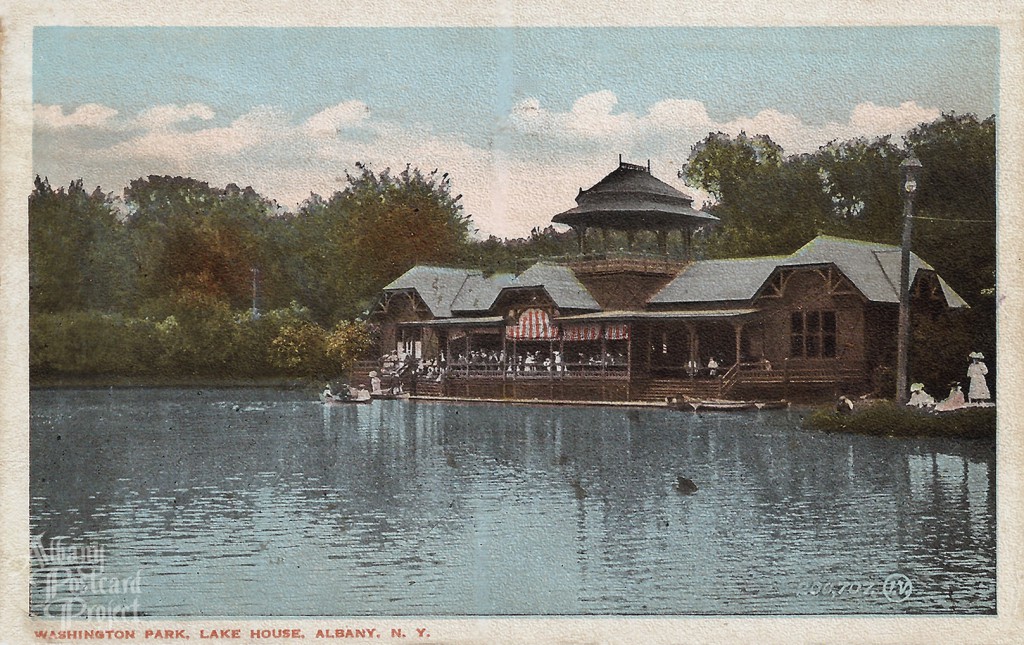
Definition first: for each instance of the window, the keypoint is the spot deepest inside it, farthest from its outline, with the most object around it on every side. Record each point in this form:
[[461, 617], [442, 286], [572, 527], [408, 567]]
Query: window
[[812, 334]]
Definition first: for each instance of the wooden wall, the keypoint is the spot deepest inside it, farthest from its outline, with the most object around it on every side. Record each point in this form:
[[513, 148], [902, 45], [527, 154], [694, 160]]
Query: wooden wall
[[806, 291], [623, 291]]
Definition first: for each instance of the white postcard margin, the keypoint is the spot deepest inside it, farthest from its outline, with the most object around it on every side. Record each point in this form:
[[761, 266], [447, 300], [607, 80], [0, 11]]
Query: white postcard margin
[[16, 176]]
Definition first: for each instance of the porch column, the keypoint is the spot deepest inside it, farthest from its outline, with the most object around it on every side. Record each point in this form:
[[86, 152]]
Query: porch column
[[696, 346], [691, 337], [515, 356], [663, 242], [629, 355], [503, 363], [581, 238], [561, 355], [738, 326], [630, 238], [650, 349], [604, 347]]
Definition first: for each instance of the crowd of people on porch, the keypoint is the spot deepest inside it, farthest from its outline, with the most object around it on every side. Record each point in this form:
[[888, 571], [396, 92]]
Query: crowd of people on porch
[[526, 362]]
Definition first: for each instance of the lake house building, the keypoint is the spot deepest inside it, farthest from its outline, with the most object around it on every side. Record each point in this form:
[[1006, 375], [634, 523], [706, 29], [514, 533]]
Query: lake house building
[[625, 326]]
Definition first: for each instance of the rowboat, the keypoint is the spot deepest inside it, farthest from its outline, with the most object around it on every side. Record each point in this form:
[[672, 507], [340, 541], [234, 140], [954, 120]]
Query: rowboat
[[726, 405], [337, 400], [389, 396]]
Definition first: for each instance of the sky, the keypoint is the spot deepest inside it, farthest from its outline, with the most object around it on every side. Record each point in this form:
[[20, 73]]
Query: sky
[[521, 118]]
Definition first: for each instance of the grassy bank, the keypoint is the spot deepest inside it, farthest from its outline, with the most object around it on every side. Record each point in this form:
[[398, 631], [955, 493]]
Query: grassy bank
[[886, 419]]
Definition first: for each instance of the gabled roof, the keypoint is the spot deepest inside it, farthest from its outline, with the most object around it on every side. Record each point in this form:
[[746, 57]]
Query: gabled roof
[[717, 281], [873, 268], [436, 286], [560, 283], [446, 290], [478, 292]]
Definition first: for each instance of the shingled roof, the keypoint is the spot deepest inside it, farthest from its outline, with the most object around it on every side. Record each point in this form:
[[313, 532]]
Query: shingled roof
[[436, 286], [631, 198], [560, 283], [717, 281], [872, 268], [479, 292]]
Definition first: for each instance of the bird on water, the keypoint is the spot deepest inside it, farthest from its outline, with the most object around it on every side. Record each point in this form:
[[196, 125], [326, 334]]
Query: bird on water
[[685, 486]]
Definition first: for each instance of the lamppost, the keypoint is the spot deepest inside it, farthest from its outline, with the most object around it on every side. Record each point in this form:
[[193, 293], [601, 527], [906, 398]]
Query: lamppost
[[911, 169]]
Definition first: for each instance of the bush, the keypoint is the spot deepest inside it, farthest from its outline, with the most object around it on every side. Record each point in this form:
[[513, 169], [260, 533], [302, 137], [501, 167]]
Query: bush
[[885, 418], [89, 342], [192, 337]]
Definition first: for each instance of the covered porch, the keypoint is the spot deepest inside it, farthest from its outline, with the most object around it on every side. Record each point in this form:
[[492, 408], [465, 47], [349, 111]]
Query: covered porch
[[695, 344]]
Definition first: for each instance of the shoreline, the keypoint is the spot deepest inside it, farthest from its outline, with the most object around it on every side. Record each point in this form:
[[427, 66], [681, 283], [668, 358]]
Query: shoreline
[[880, 418], [126, 382], [883, 418]]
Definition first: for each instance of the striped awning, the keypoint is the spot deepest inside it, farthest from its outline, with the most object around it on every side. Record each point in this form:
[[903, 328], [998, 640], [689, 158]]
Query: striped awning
[[616, 331], [581, 332], [533, 324]]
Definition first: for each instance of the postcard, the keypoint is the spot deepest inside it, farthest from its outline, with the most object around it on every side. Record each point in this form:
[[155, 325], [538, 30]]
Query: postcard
[[489, 323]]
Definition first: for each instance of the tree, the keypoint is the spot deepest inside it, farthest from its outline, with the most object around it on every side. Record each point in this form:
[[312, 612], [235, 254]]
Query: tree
[[958, 187], [346, 343], [721, 164], [766, 205], [860, 178], [189, 236], [402, 220], [373, 231], [78, 251]]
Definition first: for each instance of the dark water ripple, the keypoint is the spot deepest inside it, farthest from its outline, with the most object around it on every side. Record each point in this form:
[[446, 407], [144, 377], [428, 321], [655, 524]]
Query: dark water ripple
[[285, 507]]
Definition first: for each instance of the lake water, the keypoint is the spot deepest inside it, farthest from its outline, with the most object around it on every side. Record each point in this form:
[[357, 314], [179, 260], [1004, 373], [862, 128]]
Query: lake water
[[288, 507]]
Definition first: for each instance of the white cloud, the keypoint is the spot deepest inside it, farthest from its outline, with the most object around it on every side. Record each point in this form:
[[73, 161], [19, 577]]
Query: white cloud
[[678, 114], [89, 115], [331, 121], [869, 117], [164, 116], [182, 150], [529, 171]]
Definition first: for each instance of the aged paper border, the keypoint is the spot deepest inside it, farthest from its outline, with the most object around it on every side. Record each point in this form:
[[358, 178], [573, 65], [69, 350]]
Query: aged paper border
[[18, 19]]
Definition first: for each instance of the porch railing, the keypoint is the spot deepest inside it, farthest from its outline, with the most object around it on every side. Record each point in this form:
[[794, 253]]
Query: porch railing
[[567, 371]]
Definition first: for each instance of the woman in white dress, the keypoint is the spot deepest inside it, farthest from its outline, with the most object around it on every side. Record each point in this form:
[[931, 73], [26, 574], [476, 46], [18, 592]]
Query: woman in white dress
[[919, 398], [977, 370]]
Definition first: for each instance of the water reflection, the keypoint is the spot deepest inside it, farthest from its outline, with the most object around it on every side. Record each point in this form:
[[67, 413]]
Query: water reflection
[[284, 506]]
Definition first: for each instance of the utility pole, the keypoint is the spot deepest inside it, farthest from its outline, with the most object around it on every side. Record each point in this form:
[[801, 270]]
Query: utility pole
[[255, 282], [910, 169]]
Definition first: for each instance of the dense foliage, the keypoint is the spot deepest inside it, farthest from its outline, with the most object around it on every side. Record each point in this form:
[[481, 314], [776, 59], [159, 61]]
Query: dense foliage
[[177, 277]]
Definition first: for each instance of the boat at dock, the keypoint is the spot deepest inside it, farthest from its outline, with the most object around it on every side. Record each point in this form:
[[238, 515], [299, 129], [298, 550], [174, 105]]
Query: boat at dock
[[340, 400], [725, 405], [389, 396]]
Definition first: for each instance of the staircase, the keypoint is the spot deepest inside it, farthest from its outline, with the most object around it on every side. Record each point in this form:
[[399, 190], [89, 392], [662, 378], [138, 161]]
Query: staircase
[[661, 389], [424, 387]]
